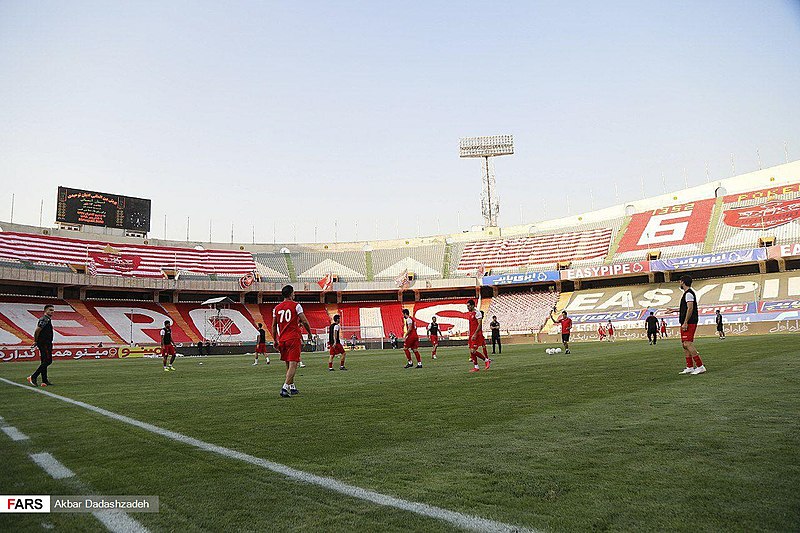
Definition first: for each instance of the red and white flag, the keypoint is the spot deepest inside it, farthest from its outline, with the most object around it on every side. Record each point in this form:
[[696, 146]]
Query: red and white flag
[[247, 280], [402, 280], [326, 283]]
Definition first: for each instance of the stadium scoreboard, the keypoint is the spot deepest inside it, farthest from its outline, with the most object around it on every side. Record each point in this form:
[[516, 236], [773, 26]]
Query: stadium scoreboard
[[77, 206]]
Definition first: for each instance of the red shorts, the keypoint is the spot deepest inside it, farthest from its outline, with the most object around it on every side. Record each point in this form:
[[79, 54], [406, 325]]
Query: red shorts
[[412, 342], [261, 348], [336, 349], [688, 335], [168, 349], [434, 339], [477, 343], [290, 349]]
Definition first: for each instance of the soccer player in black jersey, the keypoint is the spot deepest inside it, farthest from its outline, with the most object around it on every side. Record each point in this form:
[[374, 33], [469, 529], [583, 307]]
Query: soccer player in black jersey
[[335, 344], [167, 346], [433, 335], [261, 344]]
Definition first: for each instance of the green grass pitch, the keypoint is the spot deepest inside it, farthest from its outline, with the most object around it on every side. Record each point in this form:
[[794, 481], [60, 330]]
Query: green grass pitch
[[608, 438]]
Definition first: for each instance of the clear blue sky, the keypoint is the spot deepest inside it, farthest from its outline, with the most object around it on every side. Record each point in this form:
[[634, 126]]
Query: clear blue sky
[[299, 114]]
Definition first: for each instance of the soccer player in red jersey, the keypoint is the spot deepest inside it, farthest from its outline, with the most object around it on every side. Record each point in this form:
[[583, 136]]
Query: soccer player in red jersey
[[663, 328], [411, 340], [335, 344], [286, 319], [476, 338], [610, 330], [261, 344], [167, 346], [566, 328], [601, 331], [433, 334]]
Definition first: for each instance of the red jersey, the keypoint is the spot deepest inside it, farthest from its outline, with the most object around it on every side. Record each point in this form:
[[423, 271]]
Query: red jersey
[[411, 329], [286, 314], [566, 325], [473, 317]]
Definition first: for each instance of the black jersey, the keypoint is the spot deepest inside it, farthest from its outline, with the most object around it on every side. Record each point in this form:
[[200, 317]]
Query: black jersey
[[166, 336], [684, 308], [262, 336], [719, 320], [333, 334], [652, 323], [46, 332], [434, 329]]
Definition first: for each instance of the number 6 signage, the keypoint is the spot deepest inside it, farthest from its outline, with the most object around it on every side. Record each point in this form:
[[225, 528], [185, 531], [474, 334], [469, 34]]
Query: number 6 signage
[[668, 226]]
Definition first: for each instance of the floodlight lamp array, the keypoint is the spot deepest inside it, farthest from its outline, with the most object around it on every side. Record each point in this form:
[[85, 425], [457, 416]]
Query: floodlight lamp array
[[489, 146]]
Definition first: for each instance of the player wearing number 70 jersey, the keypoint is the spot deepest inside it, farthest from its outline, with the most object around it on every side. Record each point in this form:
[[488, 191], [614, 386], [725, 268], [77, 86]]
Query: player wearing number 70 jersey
[[286, 319]]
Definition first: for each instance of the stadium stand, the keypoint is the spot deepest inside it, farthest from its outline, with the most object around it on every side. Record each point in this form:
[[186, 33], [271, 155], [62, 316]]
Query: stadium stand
[[271, 267], [523, 311], [103, 258], [314, 265], [588, 244], [749, 216], [372, 319], [424, 261]]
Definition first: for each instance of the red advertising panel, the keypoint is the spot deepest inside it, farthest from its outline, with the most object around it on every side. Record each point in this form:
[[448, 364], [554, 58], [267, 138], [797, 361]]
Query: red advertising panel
[[668, 226], [784, 250], [604, 271]]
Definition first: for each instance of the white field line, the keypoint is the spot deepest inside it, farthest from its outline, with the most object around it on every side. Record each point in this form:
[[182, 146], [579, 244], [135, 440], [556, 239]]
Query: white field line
[[119, 522], [116, 521], [463, 521], [13, 433], [51, 465]]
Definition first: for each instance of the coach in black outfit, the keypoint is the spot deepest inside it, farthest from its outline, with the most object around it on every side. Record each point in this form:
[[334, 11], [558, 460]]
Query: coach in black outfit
[[495, 326], [43, 339], [651, 323]]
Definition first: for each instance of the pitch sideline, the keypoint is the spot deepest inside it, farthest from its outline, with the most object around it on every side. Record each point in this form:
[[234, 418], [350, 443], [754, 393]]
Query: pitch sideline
[[463, 521]]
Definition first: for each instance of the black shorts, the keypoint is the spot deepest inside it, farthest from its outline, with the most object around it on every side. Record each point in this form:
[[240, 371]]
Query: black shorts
[[719, 328], [565, 337]]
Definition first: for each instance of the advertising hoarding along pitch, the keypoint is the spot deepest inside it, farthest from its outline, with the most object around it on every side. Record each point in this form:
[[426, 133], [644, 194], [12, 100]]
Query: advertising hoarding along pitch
[[521, 278], [709, 260]]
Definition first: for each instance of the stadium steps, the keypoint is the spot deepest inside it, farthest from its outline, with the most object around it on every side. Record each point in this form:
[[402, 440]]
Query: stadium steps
[[370, 269], [81, 308], [9, 327], [446, 261], [614, 245], [290, 268], [177, 318], [712, 226], [255, 312]]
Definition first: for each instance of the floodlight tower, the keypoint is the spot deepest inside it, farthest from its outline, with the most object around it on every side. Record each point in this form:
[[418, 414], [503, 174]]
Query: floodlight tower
[[486, 148]]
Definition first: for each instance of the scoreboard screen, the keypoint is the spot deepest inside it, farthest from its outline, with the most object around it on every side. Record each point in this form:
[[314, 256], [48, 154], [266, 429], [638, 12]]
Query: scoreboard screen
[[76, 206]]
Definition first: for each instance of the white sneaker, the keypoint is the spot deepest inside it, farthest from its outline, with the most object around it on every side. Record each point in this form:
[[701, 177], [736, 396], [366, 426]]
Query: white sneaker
[[302, 364], [699, 370], [254, 364], [687, 370]]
